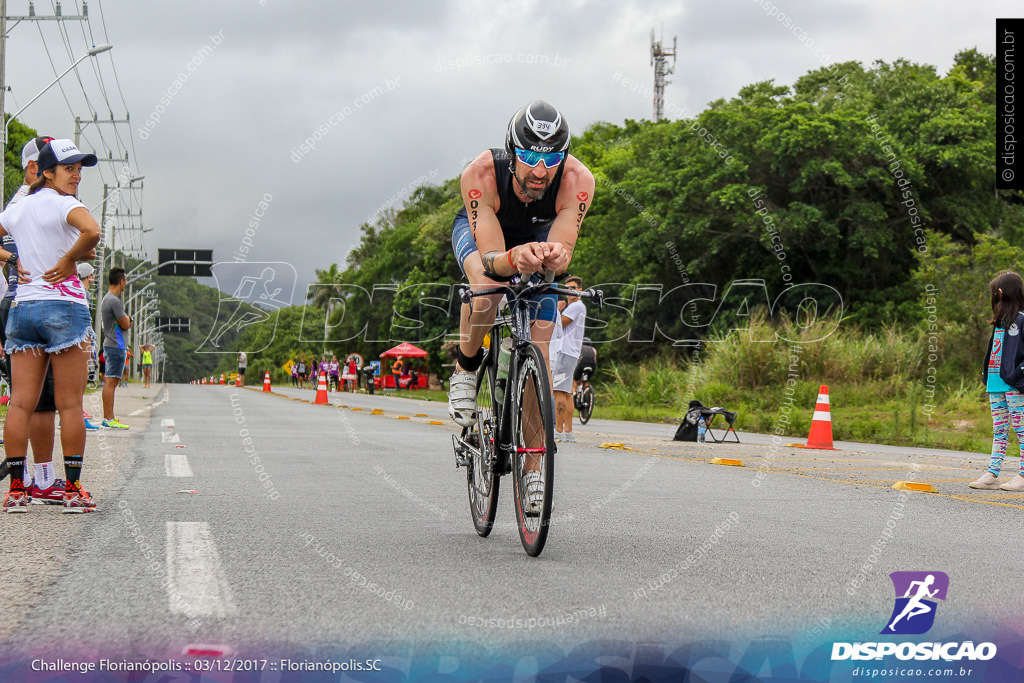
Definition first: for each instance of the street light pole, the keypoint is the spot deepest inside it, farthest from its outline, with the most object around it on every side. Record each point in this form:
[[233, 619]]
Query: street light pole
[[3, 53], [103, 274]]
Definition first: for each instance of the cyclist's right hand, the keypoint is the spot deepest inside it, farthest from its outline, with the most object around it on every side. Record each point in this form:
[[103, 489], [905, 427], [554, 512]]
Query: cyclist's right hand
[[529, 258], [556, 256]]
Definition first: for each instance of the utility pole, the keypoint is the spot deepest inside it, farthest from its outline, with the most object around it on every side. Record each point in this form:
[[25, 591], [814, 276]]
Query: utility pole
[[32, 16], [95, 120], [659, 60]]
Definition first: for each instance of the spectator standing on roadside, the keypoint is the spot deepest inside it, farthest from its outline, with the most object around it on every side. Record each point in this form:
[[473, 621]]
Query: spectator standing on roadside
[[147, 363], [127, 374], [353, 372], [396, 371], [87, 274], [1004, 377], [40, 480], [334, 373], [41, 425], [243, 361], [115, 348], [48, 323], [573, 318]]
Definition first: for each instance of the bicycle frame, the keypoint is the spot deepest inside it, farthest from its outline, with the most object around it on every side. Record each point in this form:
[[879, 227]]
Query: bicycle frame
[[517, 295]]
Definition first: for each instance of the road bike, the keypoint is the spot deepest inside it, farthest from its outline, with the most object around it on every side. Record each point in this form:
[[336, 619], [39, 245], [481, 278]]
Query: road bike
[[514, 431], [583, 399]]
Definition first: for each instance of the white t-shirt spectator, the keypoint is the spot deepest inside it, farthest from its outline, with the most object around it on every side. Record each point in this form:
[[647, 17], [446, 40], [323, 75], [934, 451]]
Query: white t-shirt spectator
[[556, 337], [572, 334], [19, 195], [38, 223]]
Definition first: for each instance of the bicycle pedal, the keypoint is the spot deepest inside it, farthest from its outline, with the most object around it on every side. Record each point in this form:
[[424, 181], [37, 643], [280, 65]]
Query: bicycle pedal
[[462, 457]]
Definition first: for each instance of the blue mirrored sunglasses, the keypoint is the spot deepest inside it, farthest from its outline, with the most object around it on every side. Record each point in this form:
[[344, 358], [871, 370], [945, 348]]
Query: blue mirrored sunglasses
[[531, 158]]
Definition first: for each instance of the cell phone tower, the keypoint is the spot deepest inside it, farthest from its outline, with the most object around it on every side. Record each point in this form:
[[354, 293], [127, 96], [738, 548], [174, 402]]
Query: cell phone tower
[[659, 60]]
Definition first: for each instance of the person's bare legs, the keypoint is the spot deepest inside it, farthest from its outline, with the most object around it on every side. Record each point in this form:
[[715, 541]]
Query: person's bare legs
[[68, 389], [29, 367], [40, 435], [563, 412], [109, 386], [474, 327]]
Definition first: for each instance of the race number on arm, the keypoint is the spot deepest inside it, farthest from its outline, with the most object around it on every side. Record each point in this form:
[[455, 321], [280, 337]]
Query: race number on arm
[[572, 203], [480, 195]]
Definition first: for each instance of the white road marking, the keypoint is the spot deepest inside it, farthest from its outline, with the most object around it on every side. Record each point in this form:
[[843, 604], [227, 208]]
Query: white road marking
[[196, 577], [177, 465], [169, 437], [167, 422]]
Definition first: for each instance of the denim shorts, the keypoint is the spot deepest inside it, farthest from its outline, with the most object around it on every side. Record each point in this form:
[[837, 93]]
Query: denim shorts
[[543, 307], [48, 325], [115, 358]]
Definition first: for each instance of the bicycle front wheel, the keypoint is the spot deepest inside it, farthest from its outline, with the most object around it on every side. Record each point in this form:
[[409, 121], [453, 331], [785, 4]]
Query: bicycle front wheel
[[482, 476], [586, 404], [533, 442]]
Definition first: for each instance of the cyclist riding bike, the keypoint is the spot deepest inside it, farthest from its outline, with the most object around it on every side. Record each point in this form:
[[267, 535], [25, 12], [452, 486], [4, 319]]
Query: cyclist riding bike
[[523, 206], [587, 363]]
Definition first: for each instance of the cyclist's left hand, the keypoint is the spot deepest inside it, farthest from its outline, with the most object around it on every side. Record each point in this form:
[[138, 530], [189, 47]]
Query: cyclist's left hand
[[556, 257]]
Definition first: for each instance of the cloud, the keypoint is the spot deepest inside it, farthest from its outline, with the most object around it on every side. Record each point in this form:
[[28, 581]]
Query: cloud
[[286, 67]]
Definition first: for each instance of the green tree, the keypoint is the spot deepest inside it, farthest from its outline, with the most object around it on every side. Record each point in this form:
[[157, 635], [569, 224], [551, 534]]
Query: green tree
[[17, 135]]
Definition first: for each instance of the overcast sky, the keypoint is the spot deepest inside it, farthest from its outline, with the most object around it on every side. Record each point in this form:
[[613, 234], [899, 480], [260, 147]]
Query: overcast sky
[[398, 91]]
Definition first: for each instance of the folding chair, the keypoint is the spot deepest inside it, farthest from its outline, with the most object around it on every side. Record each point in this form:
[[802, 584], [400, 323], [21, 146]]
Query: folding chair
[[728, 418]]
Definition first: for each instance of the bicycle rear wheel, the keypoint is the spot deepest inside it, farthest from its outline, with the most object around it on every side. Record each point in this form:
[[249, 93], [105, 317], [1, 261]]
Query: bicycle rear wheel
[[586, 404], [533, 442], [482, 476]]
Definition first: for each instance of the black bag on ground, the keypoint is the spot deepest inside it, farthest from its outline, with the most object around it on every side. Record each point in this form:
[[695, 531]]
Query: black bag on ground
[[688, 429]]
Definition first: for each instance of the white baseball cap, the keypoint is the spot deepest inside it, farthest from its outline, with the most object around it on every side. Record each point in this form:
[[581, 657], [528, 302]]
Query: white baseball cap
[[30, 152], [85, 270], [62, 151]]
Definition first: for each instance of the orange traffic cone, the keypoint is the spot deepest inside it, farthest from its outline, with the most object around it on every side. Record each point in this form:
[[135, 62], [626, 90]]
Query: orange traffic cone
[[238, 380], [266, 381], [321, 390], [821, 424], [222, 378]]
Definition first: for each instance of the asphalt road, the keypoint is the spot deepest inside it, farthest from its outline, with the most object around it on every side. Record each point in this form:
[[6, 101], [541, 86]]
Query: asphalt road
[[265, 524]]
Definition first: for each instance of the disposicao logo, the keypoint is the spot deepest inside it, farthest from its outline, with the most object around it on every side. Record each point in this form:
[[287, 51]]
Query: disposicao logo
[[917, 595]]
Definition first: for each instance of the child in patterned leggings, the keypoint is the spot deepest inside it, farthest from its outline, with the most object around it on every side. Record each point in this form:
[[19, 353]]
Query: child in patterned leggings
[[1004, 377]]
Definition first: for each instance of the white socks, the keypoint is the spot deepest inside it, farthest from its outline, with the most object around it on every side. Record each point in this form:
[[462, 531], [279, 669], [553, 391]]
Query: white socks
[[44, 475]]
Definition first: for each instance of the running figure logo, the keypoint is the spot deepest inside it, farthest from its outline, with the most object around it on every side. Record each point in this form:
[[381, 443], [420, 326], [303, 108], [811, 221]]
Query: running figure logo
[[916, 594], [257, 290]]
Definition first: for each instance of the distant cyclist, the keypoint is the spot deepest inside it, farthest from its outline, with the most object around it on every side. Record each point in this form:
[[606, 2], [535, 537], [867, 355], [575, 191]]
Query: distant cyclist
[[588, 359], [522, 210]]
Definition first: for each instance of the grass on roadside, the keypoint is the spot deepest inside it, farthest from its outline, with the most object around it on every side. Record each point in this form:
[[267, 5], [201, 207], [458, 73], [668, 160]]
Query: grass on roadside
[[878, 389]]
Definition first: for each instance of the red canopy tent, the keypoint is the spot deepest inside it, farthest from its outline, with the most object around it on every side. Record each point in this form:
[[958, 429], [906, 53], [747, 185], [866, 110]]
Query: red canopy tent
[[404, 350]]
